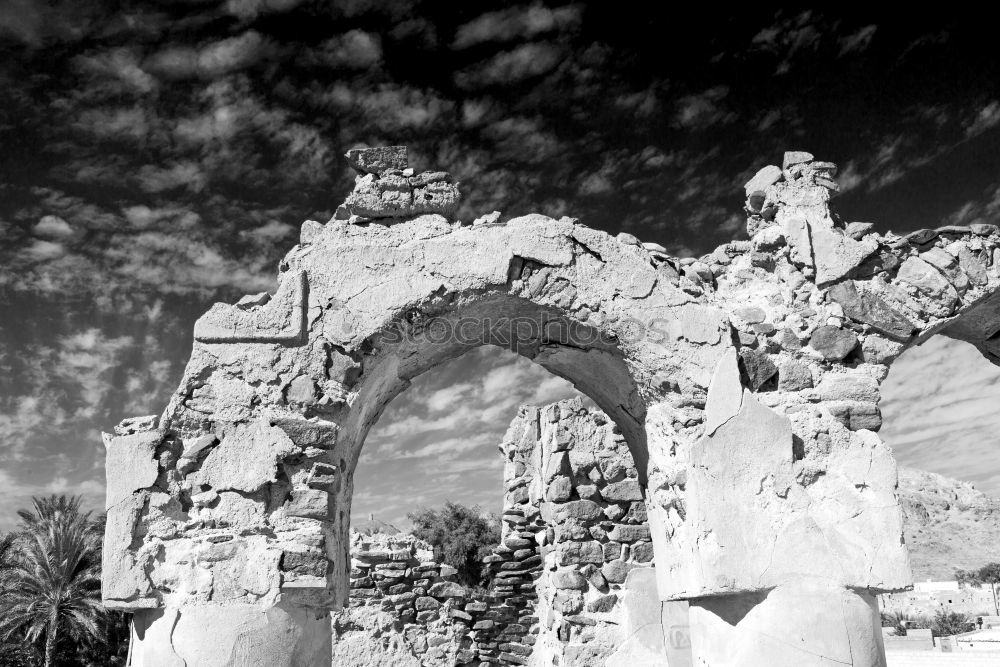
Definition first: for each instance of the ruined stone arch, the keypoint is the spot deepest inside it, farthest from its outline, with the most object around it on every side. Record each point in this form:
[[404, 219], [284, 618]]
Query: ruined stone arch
[[745, 382]]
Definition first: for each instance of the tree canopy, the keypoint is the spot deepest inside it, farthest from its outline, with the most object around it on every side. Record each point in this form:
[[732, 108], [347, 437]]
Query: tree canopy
[[50, 590], [461, 536]]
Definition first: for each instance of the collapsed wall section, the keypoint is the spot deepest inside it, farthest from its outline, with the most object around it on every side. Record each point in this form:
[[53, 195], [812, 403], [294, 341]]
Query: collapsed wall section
[[569, 473], [573, 527], [746, 382]]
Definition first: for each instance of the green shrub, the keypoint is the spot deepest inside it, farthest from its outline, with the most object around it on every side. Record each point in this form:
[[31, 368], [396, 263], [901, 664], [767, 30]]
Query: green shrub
[[947, 623], [461, 536]]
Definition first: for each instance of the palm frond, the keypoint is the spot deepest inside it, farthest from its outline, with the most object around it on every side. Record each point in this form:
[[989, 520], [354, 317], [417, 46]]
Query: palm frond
[[51, 569]]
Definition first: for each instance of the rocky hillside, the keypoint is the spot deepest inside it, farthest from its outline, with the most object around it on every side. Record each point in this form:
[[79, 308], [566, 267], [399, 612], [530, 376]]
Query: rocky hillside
[[948, 524]]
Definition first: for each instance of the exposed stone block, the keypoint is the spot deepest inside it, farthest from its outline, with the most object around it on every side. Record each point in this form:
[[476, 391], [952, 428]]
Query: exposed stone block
[[625, 490], [929, 282], [872, 310], [758, 367], [615, 571], [794, 376], [856, 415], [848, 387], [833, 343], [447, 589], [577, 553], [628, 533], [247, 457], [377, 160], [130, 465], [582, 510]]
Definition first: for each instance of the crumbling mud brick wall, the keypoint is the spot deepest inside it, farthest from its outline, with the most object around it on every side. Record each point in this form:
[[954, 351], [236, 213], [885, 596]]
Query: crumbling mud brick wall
[[744, 382]]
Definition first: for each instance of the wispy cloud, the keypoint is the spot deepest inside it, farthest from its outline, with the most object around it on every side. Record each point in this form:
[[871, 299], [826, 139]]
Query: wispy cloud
[[442, 434], [698, 111], [857, 41], [788, 37], [511, 67], [516, 23], [987, 118], [355, 49], [984, 209], [211, 60]]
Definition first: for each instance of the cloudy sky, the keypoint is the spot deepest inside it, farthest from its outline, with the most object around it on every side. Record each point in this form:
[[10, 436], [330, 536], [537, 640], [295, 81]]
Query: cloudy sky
[[157, 158]]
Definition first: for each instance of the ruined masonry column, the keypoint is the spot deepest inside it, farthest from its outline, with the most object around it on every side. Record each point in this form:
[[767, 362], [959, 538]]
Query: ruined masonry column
[[777, 518], [203, 589], [227, 530]]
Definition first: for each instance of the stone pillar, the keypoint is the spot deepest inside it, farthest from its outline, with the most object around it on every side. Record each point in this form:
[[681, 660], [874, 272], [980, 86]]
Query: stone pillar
[[776, 516], [244, 635], [804, 623], [790, 527], [220, 543]]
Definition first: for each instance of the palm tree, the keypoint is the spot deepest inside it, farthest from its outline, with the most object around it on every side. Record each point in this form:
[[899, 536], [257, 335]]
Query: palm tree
[[50, 587]]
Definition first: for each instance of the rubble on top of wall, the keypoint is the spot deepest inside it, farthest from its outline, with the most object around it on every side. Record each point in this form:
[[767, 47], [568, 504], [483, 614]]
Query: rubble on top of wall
[[820, 306], [895, 286], [386, 187]]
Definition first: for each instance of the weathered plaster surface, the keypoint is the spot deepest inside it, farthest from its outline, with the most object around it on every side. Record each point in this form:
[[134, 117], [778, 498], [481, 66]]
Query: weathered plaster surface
[[254, 455]]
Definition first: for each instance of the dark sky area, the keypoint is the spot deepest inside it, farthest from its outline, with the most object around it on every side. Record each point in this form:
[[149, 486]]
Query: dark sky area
[[157, 157]]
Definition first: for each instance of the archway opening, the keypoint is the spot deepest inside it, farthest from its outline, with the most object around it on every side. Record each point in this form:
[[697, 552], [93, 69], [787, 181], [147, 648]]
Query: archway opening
[[437, 441], [573, 519], [939, 412], [939, 408]]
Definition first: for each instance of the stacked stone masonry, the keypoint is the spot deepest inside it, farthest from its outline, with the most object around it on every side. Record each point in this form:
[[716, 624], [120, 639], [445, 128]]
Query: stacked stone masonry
[[745, 384], [572, 488], [442, 622], [574, 525]]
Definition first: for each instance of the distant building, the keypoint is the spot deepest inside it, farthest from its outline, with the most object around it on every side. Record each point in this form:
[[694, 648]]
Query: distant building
[[929, 586], [929, 597], [983, 641], [979, 648]]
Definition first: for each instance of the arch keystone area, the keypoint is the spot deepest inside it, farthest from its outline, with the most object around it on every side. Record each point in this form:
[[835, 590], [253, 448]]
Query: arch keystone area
[[745, 383]]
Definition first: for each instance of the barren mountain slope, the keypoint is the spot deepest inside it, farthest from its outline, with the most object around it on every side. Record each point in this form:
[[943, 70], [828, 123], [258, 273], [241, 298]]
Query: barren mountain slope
[[948, 524]]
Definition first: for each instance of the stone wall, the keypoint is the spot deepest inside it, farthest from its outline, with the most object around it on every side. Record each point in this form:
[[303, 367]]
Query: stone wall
[[398, 574], [569, 473], [442, 621], [745, 383], [574, 525]]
